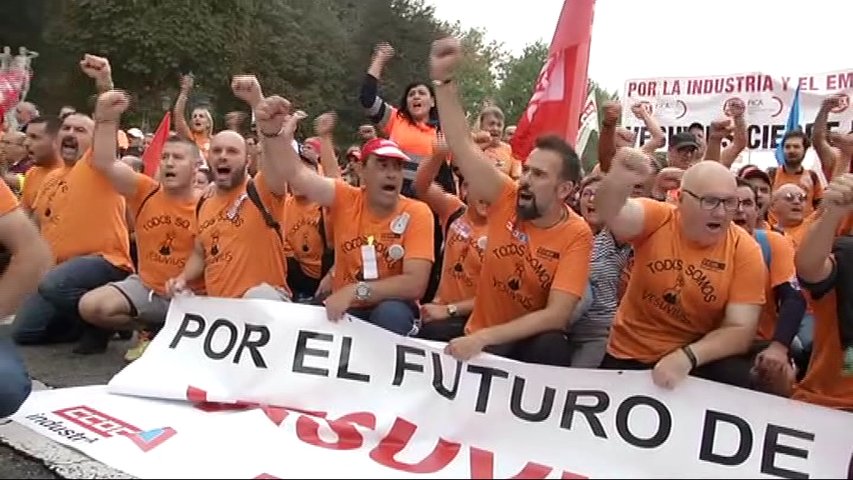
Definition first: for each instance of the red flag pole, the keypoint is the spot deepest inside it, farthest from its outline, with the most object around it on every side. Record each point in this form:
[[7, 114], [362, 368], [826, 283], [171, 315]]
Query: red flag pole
[[561, 88], [151, 155]]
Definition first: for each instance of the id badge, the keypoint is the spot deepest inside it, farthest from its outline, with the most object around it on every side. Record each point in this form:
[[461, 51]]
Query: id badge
[[368, 262]]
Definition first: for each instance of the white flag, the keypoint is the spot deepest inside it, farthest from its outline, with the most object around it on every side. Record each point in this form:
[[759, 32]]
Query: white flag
[[589, 123]]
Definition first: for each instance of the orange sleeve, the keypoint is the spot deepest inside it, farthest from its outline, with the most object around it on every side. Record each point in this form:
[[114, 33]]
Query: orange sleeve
[[749, 276], [782, 269], [8, 201], [655, 215], [418, 243], [144, 186], [504, 205], [273, 202], [449, 204], [392, 120], [572, 272], [28, 193]]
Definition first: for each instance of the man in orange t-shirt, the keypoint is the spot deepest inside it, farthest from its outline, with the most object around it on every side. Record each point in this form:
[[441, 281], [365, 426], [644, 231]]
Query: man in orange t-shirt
[[785, 306], [697, 285], [164, 215], [239, 247], [29, 258], [536, 264], [41, 145], [796, 144], [86, 259], [383, 241], [825, 268]]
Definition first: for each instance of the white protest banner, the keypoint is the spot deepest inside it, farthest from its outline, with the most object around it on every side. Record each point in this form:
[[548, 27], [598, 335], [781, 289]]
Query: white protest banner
[[678, 102], [313, 398]]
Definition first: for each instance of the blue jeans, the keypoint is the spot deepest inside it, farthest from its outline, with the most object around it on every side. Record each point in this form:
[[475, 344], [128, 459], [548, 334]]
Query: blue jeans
[[50, 315], [15, 385], [398, 316]]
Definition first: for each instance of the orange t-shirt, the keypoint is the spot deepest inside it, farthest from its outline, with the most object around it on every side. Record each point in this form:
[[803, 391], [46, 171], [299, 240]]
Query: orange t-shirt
[[463, 252], [33, 180], [824, 383], [202, 141], [414, 139], [802, 179], [82, 214], [302, 234], [679, 291], [504, 161], [165, 233], [8, 200], [782, 270], [354, 224], [523, 263], [240, 250]]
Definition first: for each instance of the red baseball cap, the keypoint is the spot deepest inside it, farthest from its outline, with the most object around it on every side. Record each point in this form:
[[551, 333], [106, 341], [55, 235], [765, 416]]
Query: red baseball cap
[[753, 171], [383, 148]]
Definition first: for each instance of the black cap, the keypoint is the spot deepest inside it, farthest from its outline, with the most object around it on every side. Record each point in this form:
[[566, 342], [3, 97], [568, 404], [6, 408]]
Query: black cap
[[683, 139]]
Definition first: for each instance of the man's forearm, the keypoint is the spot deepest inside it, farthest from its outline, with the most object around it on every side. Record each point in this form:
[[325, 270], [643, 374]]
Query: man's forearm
[[195, 267], [23, 275], [723, 342], [526, 326], [405, 287]]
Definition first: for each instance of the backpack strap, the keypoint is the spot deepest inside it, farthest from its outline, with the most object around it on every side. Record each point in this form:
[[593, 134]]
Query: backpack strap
[[452, 218], [198, 205], [148, 197], [254, 196], [764, 243]]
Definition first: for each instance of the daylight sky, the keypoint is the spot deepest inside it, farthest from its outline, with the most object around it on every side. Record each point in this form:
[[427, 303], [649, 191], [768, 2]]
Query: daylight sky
[[658, 38]]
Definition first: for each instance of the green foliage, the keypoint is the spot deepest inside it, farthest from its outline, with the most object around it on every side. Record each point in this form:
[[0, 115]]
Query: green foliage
[[313, 52]]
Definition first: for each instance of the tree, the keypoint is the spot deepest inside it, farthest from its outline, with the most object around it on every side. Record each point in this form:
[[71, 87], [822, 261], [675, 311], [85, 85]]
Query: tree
[[476, 76], [517, 76]]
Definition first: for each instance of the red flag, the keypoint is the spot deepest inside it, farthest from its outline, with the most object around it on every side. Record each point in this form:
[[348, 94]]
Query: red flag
[[151, 155], [561, 88]]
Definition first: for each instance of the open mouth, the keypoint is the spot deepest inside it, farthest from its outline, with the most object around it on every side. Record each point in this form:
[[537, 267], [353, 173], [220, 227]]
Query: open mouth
[[168, 174], [714, 226], [417, 104], [525, 195], [223, 171], [741, 222], [389, 188], [69, 146], [797, 209]]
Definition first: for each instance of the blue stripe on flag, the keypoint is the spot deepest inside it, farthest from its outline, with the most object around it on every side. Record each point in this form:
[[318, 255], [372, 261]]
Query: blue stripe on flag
[[792, 124]]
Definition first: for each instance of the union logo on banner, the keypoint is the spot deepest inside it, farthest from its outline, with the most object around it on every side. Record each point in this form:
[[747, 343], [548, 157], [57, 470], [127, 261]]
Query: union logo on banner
[[151, 439]]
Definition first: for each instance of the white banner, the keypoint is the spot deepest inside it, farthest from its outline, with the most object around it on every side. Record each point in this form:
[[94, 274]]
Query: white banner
[[678, 102], [384, 406]]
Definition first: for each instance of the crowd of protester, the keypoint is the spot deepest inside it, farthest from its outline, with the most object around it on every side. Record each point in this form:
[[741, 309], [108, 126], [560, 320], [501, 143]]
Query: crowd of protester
[[428, 226]]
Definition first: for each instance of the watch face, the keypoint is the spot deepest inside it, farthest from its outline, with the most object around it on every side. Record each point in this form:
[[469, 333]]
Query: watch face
[[362, 291]]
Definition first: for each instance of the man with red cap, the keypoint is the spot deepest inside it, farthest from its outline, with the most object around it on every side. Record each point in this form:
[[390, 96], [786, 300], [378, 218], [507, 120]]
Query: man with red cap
[[383, 241], [760, 181]]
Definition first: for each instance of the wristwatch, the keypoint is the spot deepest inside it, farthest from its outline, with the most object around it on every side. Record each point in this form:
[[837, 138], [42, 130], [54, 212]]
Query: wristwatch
[[362, 291], [452, 310]]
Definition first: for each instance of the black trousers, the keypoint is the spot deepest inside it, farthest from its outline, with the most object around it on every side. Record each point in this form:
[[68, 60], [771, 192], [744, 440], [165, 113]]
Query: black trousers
[[735, 371]]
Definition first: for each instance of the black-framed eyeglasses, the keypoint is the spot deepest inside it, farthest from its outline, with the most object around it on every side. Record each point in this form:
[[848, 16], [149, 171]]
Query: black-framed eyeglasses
[[730, 204]]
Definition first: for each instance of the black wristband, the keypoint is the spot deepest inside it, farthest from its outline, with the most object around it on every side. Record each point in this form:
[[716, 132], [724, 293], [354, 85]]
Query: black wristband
[[690, 356]]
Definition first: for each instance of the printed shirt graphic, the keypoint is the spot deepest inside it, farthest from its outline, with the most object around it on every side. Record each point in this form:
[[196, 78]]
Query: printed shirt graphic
[[33, 180], [302, 234], [782, 270], [165, 234], [825, 382], [240, 250], [82, 214], [353, 224], [523, 263], [678, 291], [8, 201], [463, 252]]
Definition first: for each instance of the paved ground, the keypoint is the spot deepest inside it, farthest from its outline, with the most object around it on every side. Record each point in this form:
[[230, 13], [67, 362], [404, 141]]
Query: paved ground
[[24, 454]]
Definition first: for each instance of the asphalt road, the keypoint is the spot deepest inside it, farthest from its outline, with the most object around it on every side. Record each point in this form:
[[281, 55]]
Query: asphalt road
[[56, 366]]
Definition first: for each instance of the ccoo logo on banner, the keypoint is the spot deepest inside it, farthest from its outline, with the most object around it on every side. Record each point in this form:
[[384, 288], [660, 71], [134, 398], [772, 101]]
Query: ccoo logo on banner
[[261, 389]]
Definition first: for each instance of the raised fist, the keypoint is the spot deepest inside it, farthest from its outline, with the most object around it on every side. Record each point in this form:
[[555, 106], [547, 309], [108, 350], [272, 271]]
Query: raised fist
[[832, 102], [97, 68], [248, 89], [482, 139], [721, 129], [233, 120], [669, 179], [324, 125], [631, 166], [611, 111], [445, 56], [271, 114], [187, 82], [735, 108], [638, 110], [383, 52], [839, 193], [111, 105]]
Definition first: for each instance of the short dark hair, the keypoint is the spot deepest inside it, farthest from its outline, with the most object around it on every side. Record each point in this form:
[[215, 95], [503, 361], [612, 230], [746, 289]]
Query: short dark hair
[[194, 151], [696, 125], [743, 183], [571, 169], [797, 133], [51, 123]]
